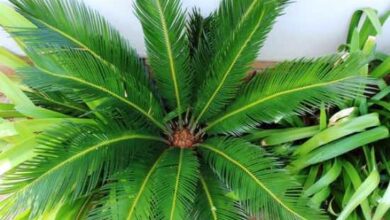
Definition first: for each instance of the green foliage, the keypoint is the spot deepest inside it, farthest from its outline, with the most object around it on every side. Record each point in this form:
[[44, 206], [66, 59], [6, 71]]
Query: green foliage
[[163, 22], [241, 30], [341, 155], [89, 131], [288, 88], [239, 163]]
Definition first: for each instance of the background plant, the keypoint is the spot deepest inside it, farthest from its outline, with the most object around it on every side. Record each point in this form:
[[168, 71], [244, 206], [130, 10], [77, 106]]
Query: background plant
[[93, 132], [344, 166]]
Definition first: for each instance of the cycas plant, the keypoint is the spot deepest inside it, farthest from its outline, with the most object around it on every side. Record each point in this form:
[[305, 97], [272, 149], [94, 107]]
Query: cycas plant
[[164, 140]]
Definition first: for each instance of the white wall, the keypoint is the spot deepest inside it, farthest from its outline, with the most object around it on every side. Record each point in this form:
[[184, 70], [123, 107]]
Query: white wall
[[308, 27]]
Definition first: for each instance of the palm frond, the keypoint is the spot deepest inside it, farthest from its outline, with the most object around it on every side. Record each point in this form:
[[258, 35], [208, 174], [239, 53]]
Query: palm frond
[[161, 187], [213, 201], [176, 181], [62, 53], [293, 88], [130, 193], [242, 27], [269, 192], [68, 72], [63, 210], [200, 32], [62, 23], [58, 102], [75, 210], [163, 23], [71, 162]]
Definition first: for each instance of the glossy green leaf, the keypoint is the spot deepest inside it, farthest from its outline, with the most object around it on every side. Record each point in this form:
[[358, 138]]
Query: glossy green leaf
[[13, 93], [338, 131], [327, 179], [340, 147], [367, 187]]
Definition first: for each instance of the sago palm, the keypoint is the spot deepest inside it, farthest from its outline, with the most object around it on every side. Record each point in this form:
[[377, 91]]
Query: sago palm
[[164, 140]]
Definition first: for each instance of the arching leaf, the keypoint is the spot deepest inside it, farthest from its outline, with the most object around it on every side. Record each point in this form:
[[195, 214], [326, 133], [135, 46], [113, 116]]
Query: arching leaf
[[93, 57], [269, 191], [163, 23], [177, 176], [72, 161], [241, 29], [213, 202], [292, 88]]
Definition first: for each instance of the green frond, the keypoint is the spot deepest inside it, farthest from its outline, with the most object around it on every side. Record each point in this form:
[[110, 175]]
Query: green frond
[[213, 202], [176, 180], [64, 54], [75, 210], [241, 30], [71, 161], [130, 193], [293, 88], [200, 31], [62, 23], [63, 210], [16, 92], [70, 73], [269, 192], [163, 23], [154, 187], [58, 102]]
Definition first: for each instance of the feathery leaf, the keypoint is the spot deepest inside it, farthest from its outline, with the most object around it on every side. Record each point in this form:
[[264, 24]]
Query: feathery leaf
[[71, 162], [292, 88], [62, 23], [71, 71], [213, 202], [163, 23], [269, 191], [242, 27], [177, 176], [130, 195], [96, 55], [200, 32]]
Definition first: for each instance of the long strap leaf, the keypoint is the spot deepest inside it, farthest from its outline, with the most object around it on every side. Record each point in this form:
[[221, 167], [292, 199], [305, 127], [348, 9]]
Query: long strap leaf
[[360, 195]]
